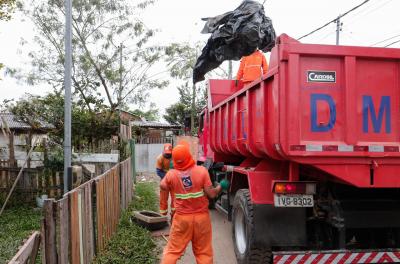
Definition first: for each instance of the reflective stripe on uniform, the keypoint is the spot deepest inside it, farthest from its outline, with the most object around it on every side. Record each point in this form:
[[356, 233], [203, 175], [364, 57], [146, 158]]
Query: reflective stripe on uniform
[[163, 211], [253, 65], [189, 195], [172, 209]]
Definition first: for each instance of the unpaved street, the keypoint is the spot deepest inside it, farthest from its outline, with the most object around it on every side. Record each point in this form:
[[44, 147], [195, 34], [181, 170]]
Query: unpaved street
[[222, 242], [222, 235]]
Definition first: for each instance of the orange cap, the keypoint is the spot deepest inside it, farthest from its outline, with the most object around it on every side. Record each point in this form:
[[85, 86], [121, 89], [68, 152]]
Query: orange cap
[[182, 158], [167, 148]]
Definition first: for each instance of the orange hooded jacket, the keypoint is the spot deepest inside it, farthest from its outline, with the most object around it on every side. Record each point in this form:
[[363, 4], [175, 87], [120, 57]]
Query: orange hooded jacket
[[252, 67]]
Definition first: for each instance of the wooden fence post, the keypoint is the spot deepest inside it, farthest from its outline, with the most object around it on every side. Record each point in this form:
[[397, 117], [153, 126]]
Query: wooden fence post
[[49, 246], [28, 252], [63, 212], [75, 230]]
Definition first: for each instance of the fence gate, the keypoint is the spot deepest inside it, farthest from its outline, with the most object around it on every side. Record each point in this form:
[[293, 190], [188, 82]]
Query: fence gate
[[146, 155]]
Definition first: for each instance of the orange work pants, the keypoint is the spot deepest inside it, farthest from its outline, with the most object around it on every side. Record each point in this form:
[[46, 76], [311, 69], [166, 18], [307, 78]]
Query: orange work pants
[[186, 228], [164, 202]]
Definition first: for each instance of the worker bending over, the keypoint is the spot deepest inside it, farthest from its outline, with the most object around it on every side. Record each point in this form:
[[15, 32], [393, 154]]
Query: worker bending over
[[162, 167], [191, 185], [252, 67]]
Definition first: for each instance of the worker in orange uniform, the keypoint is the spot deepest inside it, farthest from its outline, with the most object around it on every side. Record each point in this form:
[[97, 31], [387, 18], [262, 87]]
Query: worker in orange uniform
[[191, 185], [162, 167], [252, 67]]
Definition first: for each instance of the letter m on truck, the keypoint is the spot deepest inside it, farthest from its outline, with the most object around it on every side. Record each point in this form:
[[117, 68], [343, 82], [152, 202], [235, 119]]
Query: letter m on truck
[[312, 154]]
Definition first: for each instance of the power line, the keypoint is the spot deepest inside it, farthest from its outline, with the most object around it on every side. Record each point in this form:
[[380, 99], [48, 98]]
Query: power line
[[361, 12], [368, 11], [385, 40], [334, 20], [397, 41]]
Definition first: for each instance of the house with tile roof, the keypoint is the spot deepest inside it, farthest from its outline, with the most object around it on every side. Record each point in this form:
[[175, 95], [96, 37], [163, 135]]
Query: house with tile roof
[[16, 136]]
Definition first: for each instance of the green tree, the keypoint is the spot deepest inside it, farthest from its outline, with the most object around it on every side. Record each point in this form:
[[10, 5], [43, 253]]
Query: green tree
[[178, 112], [181, 58], [112, 58], [6, 8], [152, 114], [87, 128]]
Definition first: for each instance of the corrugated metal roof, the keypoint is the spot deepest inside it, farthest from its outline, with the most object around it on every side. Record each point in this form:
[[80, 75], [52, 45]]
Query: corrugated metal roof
[[14, 123], [153, 124]]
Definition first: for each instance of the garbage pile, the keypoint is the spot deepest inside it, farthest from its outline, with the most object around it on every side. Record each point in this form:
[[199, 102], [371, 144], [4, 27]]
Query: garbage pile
[[234, 34]]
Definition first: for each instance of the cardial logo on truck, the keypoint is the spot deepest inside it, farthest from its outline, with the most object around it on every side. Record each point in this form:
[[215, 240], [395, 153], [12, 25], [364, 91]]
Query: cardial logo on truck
[[321, 76]]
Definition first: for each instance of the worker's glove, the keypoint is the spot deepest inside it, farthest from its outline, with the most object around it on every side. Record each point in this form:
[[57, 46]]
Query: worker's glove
[[236, 83], [224, 184]]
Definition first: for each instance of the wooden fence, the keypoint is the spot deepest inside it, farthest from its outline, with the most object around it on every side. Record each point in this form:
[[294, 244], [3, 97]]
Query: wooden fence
[[79, 225], [37, 181], [154, 140], [102, 146], [125, 132], [28, 252], [4, 163], [32, 182]]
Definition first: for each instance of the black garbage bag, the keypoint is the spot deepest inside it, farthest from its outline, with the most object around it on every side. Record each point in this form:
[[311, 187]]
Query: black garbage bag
[[234, 34]]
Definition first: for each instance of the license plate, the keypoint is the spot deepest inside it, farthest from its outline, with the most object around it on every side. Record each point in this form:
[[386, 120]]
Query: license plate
[[293, 200]]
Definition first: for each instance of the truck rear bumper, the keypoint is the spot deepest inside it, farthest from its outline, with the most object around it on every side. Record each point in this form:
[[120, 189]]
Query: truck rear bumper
[[338, 257]]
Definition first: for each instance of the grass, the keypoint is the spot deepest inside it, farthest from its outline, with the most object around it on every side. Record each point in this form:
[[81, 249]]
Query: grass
[[16, 224], [133, 244]]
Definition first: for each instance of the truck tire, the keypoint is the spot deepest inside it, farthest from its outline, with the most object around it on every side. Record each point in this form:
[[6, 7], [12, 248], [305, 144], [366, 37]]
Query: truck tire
[[243, 232]]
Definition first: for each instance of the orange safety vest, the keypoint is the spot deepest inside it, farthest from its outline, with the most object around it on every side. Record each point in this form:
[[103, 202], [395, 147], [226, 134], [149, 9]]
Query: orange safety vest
[[162, 163], [252, 67], [188, 187]]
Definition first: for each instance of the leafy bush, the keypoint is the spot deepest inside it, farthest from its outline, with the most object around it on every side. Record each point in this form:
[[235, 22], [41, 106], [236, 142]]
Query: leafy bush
[[55, 160]]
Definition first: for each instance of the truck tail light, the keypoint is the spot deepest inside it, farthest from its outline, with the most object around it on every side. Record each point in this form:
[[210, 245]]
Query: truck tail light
[[294, 188]]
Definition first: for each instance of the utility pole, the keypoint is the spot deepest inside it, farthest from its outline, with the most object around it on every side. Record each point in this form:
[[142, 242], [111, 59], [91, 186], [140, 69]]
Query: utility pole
[[338, 28], [120, 73], [67, 98], [193, 114], [230, 70]]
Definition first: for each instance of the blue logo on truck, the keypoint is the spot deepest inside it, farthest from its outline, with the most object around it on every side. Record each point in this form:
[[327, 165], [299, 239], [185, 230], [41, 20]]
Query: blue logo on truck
[[315, 127], [384, 108], [367, 110]]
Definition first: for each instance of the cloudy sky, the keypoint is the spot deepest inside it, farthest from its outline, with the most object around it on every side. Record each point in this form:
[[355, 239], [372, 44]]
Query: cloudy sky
[[180, 21]]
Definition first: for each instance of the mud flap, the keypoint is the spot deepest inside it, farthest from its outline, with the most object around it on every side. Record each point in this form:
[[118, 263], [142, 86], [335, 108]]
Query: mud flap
[[280, 227]]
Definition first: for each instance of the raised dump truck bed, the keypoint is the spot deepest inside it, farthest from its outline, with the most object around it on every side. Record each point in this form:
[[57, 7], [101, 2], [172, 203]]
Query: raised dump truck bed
[[312, 151], [318, 104]]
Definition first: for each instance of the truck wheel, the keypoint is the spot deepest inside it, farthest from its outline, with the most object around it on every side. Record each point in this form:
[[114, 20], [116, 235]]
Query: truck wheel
[[243, 232]]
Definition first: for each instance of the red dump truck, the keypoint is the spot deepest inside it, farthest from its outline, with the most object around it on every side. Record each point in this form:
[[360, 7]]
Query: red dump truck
[[312, 152]]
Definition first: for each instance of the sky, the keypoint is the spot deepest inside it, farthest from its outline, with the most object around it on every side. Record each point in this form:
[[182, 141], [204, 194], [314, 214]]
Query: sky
[[180, 21]]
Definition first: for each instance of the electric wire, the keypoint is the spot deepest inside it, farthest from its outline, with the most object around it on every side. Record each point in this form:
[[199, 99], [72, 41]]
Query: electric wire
[[334, 20], [397, 41], [318, 40], [367, 11], [379, 42], [363, 10]]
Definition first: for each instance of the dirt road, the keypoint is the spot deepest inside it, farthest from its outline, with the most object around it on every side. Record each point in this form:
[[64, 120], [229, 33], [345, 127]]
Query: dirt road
[[222, 235], [222, 242]]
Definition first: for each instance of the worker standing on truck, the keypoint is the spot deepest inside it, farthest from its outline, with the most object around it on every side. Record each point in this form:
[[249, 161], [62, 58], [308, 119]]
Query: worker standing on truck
[[191, 185], [162, 167], [252, 67]]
